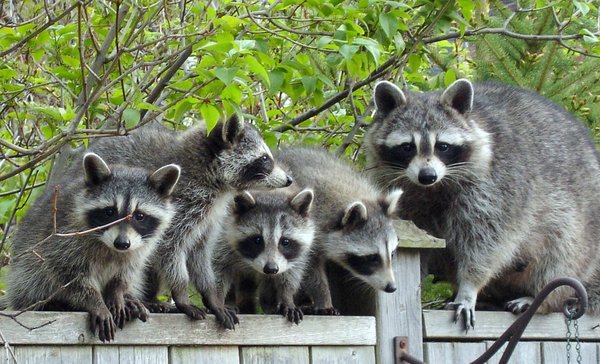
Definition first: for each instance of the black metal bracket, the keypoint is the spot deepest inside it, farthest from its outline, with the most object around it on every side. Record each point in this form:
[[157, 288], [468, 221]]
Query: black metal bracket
[[513, 334]]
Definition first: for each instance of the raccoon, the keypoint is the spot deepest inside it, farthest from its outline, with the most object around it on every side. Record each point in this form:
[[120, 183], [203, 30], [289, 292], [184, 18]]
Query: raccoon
[[508, 178], [84, 264], [267, 242], [232, 157], [354, 226]]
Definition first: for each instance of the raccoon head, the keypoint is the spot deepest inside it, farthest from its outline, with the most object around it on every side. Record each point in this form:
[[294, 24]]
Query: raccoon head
[[423, 139], [140, 199], [363, 241], [245, 161], [272, 230]]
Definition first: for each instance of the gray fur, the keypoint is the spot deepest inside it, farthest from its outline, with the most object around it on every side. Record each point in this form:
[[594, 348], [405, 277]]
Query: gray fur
[[88, 272], [274, 216], [522, 206], [214, 166], [352, 217]]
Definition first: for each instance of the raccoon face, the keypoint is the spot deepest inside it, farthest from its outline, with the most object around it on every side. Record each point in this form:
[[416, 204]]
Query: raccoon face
[[272, 231], [427, 138], [365, 240], [140, 200], [246, 161]]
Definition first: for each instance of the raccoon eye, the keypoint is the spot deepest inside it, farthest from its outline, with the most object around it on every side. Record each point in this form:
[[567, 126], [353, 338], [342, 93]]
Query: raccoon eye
[[139, 216], [285, 242], [264, 158], [258, 240], [442, 147], [407, 147], [110, 211]]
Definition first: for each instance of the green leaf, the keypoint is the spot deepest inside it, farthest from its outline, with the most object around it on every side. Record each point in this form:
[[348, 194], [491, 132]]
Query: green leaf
[[232, 93], [309, 83], [276, 78], [210, 114], [143, 105], [131, 117], [348, 51], [181, 108], [449, 77], [225, 74], [254, 66], [6, 74], [414, 61], [389, 24], [466, 8]]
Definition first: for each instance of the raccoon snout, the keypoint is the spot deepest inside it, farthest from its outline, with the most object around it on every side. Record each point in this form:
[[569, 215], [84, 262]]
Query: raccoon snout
[[270, 268], [289, 180], [427, 176], [122, 243], [391, 287]]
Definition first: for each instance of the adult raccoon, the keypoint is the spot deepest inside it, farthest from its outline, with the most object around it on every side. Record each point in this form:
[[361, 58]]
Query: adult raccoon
[[508, 178], [84, 265]]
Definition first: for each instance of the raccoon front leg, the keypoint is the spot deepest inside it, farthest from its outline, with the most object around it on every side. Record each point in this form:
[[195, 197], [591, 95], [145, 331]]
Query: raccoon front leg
[[115, 301], [83, 296], [464, 304], [316, 285], [286, 289], [205, 282]]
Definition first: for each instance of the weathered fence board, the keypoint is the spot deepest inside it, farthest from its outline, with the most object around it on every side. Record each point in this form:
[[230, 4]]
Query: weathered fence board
[[525, 352], [556, 353], [438, 325], [131, 354], [342, 355], [275, 354], [452, 352], [204, 354], [53, 354], [72, 328]]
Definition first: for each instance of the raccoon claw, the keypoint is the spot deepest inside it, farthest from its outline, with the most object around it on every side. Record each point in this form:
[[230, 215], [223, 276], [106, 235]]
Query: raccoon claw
[[191, 311], [117, 309], [226, 317], [135, 309], [293, 314], [101, 321], [325, 311], [519, 305], [466, 311]]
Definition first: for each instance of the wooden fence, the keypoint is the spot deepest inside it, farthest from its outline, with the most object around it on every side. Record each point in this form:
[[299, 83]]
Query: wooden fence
[[365, 337]]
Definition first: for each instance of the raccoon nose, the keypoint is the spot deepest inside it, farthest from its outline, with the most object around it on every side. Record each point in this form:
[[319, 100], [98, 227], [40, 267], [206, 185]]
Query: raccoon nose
[[427, 176], [270, 268], [289, 181], [121, 243], [391, 287]]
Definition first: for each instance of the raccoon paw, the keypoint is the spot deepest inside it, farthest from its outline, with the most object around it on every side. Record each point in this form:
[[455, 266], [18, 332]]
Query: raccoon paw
[[191, 311], [160, 307], [117, 308], [294, 314], [135, 309], [101, 321], [322, 311], [519, 305], [226, 317], [466, 310]]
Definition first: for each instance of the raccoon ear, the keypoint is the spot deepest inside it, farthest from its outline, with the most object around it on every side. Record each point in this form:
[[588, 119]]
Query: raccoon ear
[[95, 169], [243, 202], [165, 178], [459, 95], [232, 129], [355, 215], [388, 97], [302, 202], [390, 203]]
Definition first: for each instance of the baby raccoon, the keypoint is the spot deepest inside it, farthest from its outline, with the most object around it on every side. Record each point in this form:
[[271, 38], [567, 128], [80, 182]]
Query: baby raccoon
[[215, 165], [353, 218], [86, 265], [267, 241], [508, 178]]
